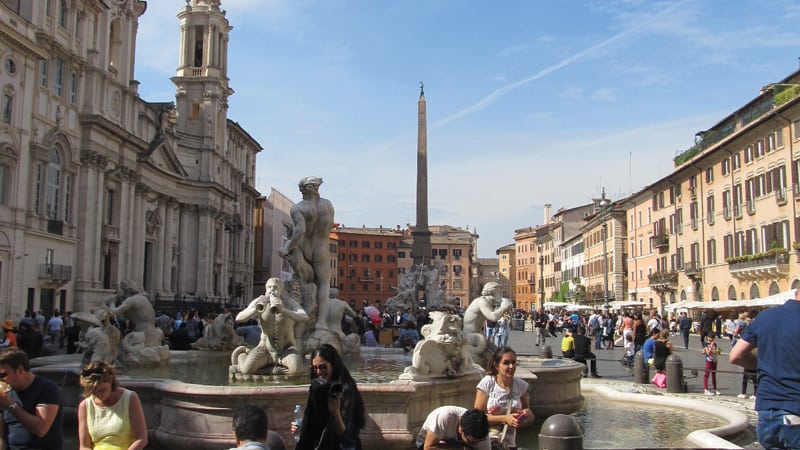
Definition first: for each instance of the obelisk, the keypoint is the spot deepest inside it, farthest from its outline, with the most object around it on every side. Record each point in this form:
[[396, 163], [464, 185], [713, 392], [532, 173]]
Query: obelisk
[[421, 248]]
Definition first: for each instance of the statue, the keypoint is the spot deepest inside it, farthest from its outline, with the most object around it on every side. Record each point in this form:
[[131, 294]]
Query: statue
[[489, 306], [99, 338], [443, 353], [336, 311], [406, 294], [308, 247], [144, 348], [277, 352], [220, 336]]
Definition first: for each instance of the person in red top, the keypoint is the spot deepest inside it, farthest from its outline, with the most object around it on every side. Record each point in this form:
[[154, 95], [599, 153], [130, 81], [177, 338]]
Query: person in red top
[[8, 329]]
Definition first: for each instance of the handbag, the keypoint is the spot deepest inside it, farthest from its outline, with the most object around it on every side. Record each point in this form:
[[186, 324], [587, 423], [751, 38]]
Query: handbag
[[660, 379]]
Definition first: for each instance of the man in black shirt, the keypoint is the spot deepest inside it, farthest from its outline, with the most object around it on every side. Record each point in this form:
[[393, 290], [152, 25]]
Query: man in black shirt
[[583, 352]]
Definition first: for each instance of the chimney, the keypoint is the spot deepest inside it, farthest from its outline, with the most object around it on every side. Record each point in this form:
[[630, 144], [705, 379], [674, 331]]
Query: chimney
[[547, 212]]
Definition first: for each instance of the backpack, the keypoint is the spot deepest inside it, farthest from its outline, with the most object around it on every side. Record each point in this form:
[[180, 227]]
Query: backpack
[[595, 324]]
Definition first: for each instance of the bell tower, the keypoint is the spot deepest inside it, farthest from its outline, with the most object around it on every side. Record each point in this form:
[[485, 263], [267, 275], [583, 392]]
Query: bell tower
[[202, 76]]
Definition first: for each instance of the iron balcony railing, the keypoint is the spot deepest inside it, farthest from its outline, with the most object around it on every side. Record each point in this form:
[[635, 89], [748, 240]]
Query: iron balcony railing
[[55, 272]]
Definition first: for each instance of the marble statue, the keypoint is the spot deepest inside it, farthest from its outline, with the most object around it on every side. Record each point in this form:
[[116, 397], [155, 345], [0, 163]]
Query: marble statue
[[443, 353], [99, 339], [145, 347], [425, 279], [337, 309], [277, 352], [489, 306], [220, 336], [308, 249]]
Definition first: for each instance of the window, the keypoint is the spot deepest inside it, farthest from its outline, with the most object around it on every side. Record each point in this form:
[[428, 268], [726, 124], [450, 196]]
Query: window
[[391, 245], [353, 257], [727, 246], [709, 175], [457, 269], [53, 185], [73, 87], [43, 73], [737, 161], [760, 148], [378, 244], [737, 200], [8, 107], [726, 205], [110, 207], [353, 244], [710, 209], [401, 254], [4, 180], [59, 77], [63, 13], [457, 253], [748, 154], [711, 251], [364, 244], [378, 258], [725, 165], [391, 259]]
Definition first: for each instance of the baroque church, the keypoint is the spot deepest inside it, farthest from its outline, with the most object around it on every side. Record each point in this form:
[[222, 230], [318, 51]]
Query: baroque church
[[98, 185]]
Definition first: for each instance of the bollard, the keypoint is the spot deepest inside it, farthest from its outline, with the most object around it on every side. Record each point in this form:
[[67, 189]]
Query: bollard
[[641, 371], [560, 432], [675, 382], [547, 352]]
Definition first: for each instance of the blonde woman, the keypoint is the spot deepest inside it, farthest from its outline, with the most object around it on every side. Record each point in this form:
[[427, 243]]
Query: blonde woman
[[110, 417]]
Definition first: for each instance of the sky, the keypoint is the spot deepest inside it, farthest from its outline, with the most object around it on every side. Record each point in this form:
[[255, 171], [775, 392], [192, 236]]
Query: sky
[[528, 102]]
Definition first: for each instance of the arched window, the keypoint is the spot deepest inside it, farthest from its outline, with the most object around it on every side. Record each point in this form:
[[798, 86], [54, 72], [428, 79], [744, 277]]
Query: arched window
[[683, 295], [63, 13], [698, 292], [754, 292], [731, 293], [774, 288], [53, 184], [714, 294], [114, 43]]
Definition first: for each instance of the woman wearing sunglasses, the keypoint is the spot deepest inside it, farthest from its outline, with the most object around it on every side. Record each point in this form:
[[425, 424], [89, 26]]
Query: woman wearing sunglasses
[[110, 417], [334, 414]]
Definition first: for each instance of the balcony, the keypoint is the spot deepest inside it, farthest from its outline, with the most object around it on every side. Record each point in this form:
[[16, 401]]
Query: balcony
[[55, 272], [737, 211], [55, 227], [693, 270], [780, 196], [772, 264], [663, 281], [660, 241]]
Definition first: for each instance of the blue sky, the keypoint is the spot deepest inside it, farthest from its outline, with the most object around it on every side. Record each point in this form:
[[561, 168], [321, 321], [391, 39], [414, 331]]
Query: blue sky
[[529, 102]]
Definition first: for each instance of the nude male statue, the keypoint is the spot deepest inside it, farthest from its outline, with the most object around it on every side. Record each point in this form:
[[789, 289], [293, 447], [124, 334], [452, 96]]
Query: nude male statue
[[308, 246], [489, 306], [136, 307], [337, 309], [276, 314]]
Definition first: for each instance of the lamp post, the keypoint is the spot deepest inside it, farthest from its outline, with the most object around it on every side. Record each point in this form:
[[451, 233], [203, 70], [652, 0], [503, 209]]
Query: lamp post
[[541, 278]]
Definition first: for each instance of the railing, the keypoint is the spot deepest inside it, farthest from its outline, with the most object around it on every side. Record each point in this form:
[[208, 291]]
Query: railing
[[737, 211], [726, 212], [663, 278], [758, 261], [56, 272], [692, 269], [710, 218], [751, 207], [659, 241], [780, 195], [55, 227]]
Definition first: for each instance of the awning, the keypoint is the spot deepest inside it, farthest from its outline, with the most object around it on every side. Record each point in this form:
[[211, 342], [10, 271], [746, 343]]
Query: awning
[[619, 304]]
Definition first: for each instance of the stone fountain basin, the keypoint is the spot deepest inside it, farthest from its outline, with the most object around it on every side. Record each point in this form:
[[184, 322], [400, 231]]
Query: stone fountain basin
[[192, 416]]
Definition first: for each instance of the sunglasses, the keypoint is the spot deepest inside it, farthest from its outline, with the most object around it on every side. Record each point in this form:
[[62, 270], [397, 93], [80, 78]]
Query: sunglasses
[[320, 368], [86, 373]]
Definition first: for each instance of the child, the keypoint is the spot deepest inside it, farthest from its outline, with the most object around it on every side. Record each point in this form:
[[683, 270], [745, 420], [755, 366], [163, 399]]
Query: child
[[627, 360], [711, 351]]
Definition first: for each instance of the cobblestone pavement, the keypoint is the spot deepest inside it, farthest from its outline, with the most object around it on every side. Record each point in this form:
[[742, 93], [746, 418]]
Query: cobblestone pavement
[[615, 375]]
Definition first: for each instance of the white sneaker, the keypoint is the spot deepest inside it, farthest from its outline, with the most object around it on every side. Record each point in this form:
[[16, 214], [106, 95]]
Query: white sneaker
[[752, 397], [707, 392], [717, 393], [742, 396]]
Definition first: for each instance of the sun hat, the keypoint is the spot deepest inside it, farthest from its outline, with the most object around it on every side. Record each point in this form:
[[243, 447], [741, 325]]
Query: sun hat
[[8, 325]]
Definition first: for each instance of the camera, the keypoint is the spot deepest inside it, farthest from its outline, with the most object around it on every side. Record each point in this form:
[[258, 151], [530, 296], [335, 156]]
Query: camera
[[336, 390]]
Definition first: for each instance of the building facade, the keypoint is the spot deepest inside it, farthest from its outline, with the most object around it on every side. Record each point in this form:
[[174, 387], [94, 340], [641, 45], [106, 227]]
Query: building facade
[[99, 185], [506, 265], [367, 264]]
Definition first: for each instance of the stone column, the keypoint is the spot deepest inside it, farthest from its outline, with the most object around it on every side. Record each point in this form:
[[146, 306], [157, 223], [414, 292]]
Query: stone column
[[421, 246]]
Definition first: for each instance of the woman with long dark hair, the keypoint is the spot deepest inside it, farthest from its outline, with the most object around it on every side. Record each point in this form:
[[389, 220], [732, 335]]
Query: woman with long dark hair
[[334, 414]]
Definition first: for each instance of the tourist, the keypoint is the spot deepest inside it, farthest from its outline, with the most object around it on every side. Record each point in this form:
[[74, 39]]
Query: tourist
[[639, 331], [334, 414], [29, 340], [608, 331], [540, 321], [649, 347], [626, 324], [568, 345], [775, 333], [583, 353], [661, 350], [32, 416], [250, 428], [711, 352], [408, 337], [501, 331], [685, 327], [504, 397], [307, 248], [110, 416], [55, 329], [706, 326], [179, 339], [9, 338], [454, 426]]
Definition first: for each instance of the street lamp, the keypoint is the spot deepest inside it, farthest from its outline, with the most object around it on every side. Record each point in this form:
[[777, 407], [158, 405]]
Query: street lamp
[[541, 278]]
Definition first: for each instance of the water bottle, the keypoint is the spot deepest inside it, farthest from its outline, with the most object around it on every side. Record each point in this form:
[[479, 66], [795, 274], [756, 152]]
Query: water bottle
[[298, 421]]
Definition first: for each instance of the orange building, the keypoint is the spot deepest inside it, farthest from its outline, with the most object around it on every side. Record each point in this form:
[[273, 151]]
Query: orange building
[[366, 263]]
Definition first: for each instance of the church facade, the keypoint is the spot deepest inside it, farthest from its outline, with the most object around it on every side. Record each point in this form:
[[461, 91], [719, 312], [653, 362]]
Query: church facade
[[98, 185]]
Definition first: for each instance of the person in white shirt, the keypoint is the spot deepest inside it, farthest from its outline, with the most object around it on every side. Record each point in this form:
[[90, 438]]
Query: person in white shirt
[[455, 425]]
